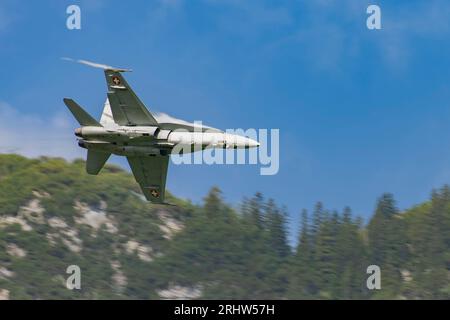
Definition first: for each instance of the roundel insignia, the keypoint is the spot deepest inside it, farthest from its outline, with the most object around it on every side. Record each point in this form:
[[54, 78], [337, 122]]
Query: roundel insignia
[[154, 193], [116, 80]]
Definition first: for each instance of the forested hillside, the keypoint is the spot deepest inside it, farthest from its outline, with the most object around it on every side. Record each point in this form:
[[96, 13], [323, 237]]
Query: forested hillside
[[53, 215]]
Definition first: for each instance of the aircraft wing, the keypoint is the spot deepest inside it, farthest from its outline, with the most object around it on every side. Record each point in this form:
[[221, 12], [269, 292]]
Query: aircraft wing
[[127, 109], [151, 173]]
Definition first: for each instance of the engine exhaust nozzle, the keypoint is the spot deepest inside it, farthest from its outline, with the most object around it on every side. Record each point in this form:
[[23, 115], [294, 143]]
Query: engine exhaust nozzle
[[78, 132], [82, 144]]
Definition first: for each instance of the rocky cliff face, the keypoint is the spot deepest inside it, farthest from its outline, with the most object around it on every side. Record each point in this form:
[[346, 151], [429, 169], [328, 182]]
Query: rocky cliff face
[[52, 215]]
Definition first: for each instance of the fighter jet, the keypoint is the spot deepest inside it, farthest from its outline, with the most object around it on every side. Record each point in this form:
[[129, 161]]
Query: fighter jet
[[127, 128]]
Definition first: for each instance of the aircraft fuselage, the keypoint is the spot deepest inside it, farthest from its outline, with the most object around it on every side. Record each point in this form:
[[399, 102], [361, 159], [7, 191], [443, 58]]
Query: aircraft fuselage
[[148, 140]]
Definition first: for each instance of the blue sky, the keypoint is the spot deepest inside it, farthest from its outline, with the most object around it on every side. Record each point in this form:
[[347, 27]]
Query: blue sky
[[360, 112]]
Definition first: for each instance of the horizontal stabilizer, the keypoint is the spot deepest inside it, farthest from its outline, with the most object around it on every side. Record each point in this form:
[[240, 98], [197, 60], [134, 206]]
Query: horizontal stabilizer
[[82, 116], [95, 161]]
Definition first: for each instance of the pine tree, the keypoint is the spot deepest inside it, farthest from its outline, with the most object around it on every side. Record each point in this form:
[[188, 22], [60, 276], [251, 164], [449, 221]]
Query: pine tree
[[324, 257], [318, 215], [303, 251], [387, 244], [350, 259], [300, 285], [275, 221], [213, 203], [431, 249], [253, 213]]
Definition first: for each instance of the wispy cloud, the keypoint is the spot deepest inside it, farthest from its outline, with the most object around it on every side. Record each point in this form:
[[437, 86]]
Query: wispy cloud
[[34, 136], [250, 18], [93, 5], [162, 9], [5, 19], [402, 28], [234, 16], [335, 30], [329, 31]]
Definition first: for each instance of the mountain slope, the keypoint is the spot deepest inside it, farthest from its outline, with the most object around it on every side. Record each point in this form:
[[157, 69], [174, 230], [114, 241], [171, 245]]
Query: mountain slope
[[53, 215]]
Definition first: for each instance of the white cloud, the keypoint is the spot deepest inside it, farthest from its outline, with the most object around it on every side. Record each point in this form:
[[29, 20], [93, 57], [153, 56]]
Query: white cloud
[[33, 136]]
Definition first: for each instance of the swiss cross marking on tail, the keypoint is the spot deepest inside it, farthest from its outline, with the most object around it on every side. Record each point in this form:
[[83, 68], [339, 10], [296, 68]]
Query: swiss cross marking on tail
[[116, 80], [154, 193]]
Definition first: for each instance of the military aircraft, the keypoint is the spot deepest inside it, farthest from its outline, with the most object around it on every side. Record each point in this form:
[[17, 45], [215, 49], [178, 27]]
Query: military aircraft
[[127, 128]]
